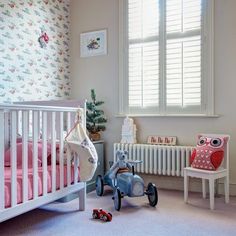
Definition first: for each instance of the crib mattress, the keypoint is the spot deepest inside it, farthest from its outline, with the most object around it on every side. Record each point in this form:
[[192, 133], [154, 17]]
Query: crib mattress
[[30, 182]]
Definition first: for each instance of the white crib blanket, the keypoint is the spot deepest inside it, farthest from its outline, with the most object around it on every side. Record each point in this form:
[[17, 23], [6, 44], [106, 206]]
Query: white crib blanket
[[79, 143]]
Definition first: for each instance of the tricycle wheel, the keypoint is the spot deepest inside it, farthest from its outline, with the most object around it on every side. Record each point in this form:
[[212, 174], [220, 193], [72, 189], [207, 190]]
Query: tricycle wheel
[[152, 194], [99, 185], [117, 199]]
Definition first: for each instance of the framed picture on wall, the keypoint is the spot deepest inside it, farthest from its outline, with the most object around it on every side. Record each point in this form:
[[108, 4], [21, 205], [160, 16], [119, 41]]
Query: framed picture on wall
[[93, 43]]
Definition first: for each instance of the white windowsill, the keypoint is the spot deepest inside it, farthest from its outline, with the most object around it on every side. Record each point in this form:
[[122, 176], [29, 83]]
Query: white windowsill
[[169, 115]]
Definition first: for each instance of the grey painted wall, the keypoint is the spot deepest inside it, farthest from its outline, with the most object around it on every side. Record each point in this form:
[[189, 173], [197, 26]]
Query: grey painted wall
[[101, 73]]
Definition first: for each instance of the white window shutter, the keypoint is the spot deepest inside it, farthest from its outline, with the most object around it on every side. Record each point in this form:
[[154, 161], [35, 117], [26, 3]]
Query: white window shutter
[[183, 72], [183, 53], [166, 58], [143, 70]]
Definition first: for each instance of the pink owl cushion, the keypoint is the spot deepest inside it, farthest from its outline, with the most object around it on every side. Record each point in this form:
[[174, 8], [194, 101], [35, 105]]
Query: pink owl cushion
[[209, 153]]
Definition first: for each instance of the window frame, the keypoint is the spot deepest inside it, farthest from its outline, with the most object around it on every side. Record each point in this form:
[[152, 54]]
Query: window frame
[[207, 68]]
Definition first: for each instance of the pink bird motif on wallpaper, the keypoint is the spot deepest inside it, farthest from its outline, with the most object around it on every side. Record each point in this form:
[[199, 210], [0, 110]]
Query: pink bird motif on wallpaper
[[46, 20], [60, 17], [31, 83], [31, 63], [13, 49], [12, 26], [12, 69], [30, 3], [12, 4], [12, 91], [60, 35]]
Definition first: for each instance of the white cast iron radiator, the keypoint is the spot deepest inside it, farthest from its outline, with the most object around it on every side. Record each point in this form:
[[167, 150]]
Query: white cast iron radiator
[[157, 159]]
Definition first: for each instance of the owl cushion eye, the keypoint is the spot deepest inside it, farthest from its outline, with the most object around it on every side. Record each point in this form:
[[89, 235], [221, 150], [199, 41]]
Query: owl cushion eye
[[216, 142], [202, 141]]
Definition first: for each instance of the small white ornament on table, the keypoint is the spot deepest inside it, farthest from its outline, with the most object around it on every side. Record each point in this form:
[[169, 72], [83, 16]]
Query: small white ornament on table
[[128, 131]]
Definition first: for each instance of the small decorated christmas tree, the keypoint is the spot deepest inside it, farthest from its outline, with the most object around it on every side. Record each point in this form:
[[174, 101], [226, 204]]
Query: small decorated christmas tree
[[95, 117]]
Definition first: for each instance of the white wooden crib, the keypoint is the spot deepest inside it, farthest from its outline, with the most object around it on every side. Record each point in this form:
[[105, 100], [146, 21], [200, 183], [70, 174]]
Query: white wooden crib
[[43, 123]]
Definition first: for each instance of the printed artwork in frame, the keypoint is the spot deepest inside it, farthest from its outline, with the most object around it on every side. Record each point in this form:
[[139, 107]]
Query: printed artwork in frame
[[162, 140], [93, 43]]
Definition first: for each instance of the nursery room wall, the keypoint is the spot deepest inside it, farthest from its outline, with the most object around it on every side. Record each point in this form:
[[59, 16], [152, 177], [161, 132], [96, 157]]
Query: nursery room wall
[[102, 72], [27, 71]]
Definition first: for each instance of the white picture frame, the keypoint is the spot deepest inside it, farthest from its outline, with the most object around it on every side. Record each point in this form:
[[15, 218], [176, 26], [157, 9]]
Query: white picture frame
[[93, 43]]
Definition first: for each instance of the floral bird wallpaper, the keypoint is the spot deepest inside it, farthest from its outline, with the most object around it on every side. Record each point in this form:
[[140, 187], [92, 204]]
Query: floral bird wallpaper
[[29, 71]]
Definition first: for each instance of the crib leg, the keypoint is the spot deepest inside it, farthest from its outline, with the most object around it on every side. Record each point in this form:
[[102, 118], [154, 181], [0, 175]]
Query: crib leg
[[82, 198]]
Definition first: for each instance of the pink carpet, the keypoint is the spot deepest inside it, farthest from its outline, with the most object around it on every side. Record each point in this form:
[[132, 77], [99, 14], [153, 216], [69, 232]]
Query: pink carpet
[[170, 217]]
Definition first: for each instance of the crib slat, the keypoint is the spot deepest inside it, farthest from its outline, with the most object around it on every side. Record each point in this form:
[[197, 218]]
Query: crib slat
[[68, 165], [7, 130], [2, 144], [44, 159], [76, 162], [13, 159], [25, 133], [53, 145], [17, 123], [68, 153], [35, 154], [68, 121], [61, 150]]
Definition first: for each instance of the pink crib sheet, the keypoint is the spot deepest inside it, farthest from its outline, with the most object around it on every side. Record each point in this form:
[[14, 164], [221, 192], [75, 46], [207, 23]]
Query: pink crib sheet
[[7, 175]]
